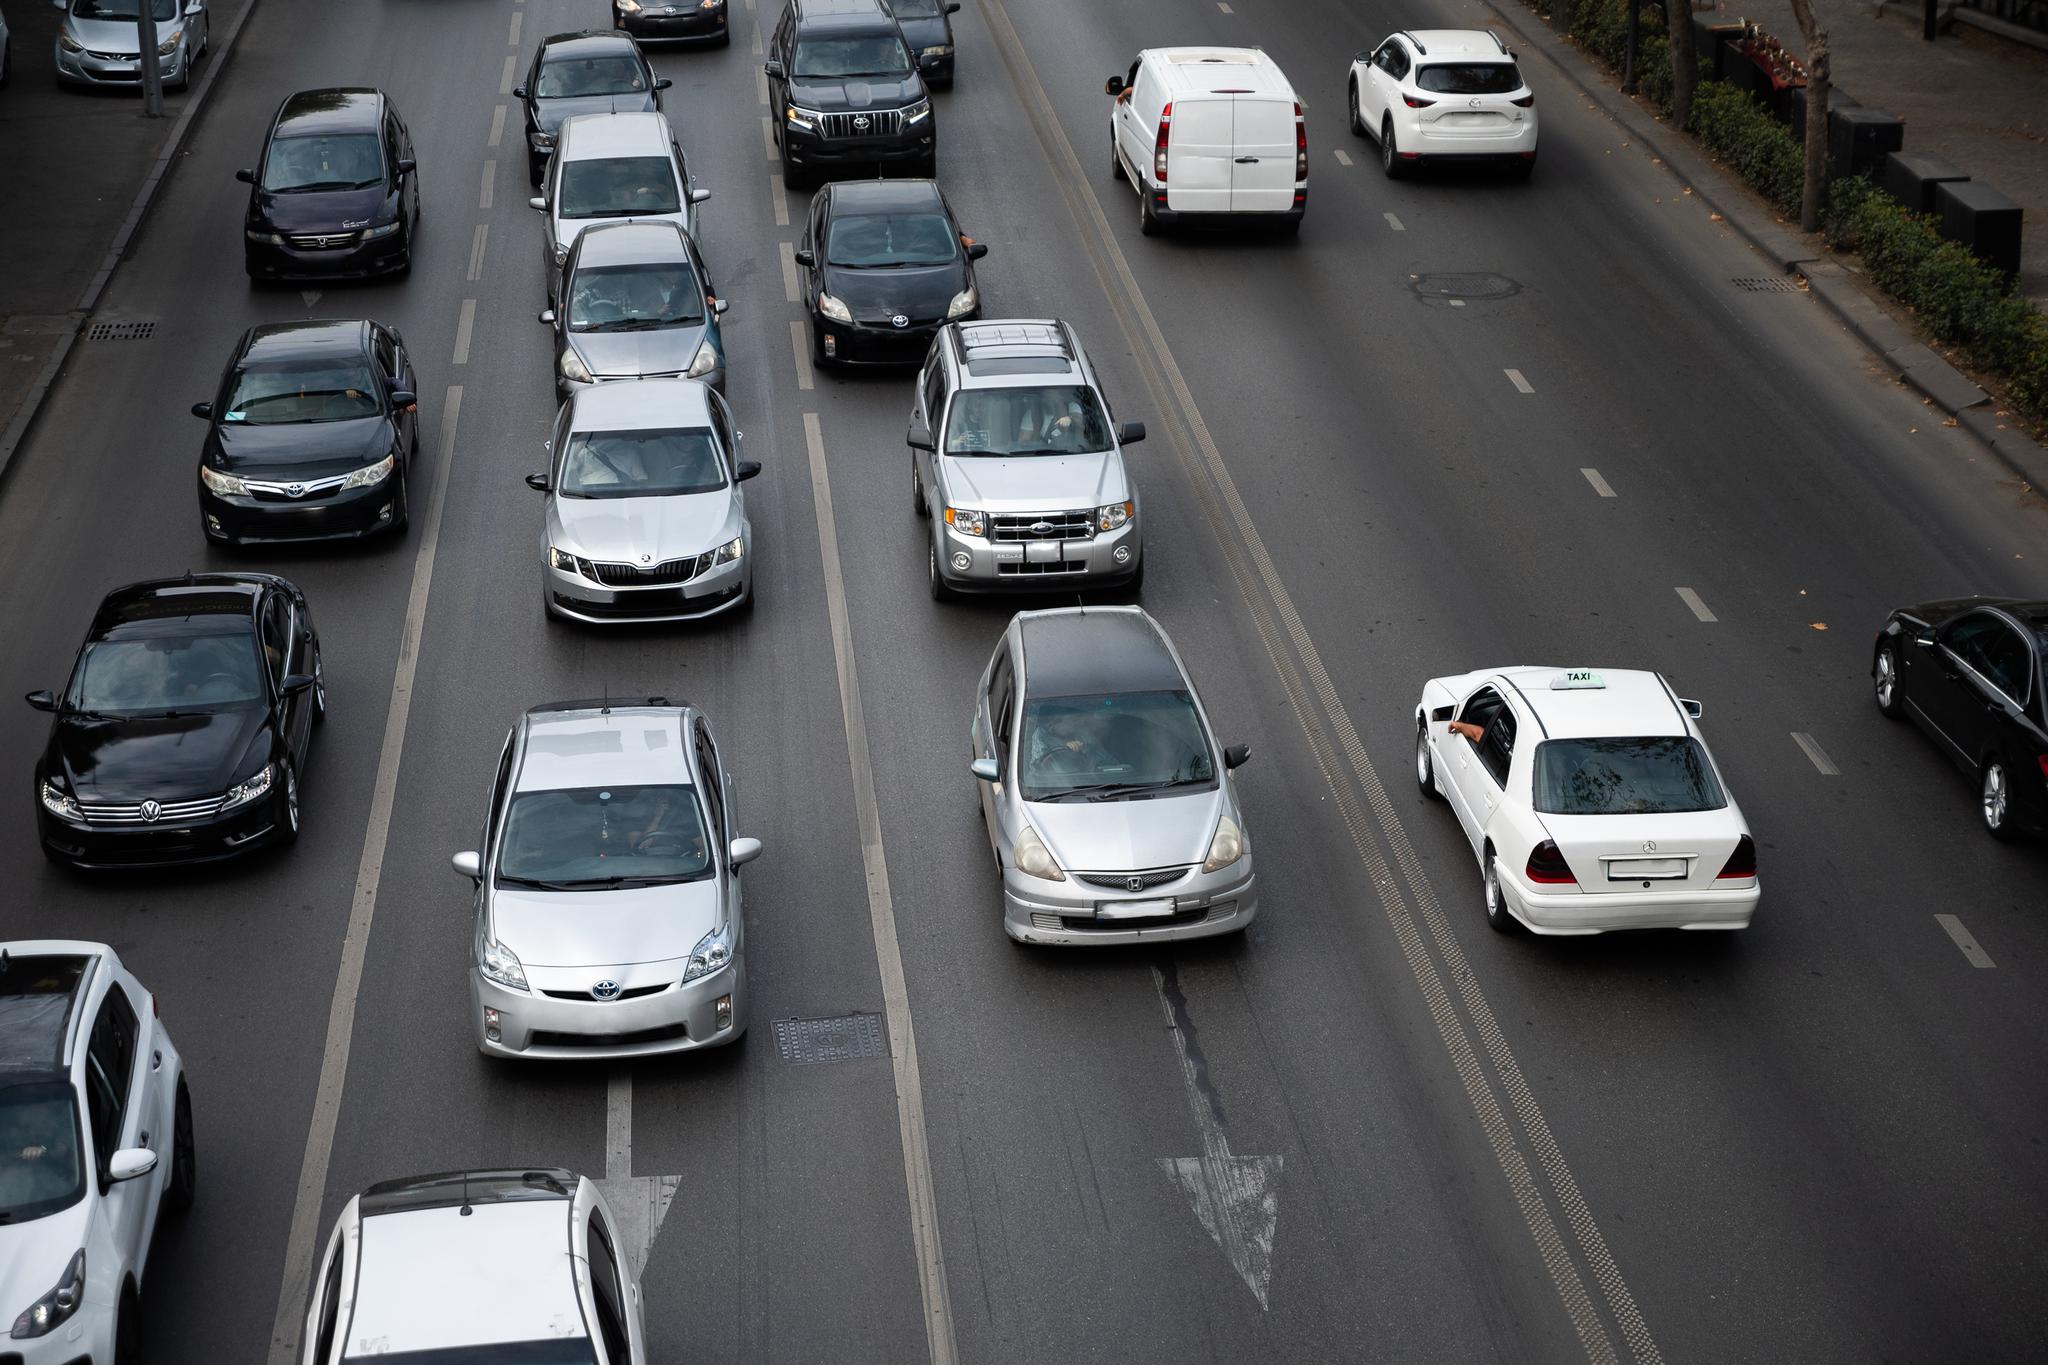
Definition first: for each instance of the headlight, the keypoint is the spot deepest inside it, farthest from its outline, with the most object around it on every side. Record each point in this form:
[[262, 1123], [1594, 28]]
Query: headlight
[[498, 964], [936, 50], [46, 1314], [270, 238], [706, 361], [1226, 847], [384, 229], [63, 805], [917, 113], [834, 309], [963, 303], [222, 484], [567, 563], [1113, 515], [627, 6], [242, 793], [69, 43], [967, 521], [806, 119], [370, 475], [573, 368], [1033, 859], [728, 553], [170, 44], [712, 953]]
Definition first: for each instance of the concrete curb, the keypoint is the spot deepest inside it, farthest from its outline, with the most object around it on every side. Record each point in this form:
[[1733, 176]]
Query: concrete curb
[[1904, 356], [222, 47]]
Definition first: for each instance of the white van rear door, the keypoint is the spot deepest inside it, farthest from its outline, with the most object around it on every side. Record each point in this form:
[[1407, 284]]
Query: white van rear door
[[1262, 163], [1198, 155]]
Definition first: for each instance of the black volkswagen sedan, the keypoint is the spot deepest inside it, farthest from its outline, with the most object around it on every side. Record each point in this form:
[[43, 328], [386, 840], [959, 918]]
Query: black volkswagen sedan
[[593, 72], [674, 21], [1973, 673], [337, 194], [928, 28], [311, 435], [184, 730], [885, 266]]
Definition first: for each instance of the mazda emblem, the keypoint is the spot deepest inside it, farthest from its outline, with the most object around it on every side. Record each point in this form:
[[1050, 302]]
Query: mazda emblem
[[1475, 101], [296, 490], [899, 321], [1649, 845], [1134, 883], [605, 990], [150, 811]]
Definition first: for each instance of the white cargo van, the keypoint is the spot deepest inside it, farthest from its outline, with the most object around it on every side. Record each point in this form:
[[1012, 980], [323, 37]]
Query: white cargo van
[[1209, 132]]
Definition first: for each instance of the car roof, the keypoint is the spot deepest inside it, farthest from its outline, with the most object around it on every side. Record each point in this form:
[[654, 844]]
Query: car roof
[[1073, 651], [589, 746], [632, 244], [1013, 351], [40, 988], [1628, 702], [589, 42], [337, 109], [884, 196], [588, 137], [453, 1276], [165, 601], [1217, 70], [300, 340], [1457, 42], [643, 405]]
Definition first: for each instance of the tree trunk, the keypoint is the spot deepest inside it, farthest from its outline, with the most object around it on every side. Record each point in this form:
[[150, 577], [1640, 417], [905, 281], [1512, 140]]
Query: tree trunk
[[1685, 62], [1815, 188]]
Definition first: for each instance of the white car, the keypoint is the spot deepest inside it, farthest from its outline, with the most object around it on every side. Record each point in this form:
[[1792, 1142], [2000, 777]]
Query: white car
[[1209, 133], [1444, 95], [95, 1139], [1589, 799]]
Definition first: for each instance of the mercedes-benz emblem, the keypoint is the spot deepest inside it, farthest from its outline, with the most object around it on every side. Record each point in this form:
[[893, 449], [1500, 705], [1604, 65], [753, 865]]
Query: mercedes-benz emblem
[[296, 490], [860, 121], [1134, 883], [150, 811], [1649, 845], [899, 321], [605, 990]]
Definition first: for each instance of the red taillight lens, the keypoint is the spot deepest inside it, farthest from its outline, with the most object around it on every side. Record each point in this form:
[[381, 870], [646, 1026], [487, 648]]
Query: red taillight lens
[[1300, 145], [1742, 862], [1159, 148], [2043, 761], [1548, 866], [1527, 100], [1413, 103]]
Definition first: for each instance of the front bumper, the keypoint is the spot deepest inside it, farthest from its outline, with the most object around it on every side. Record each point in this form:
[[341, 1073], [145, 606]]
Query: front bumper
[[352, 257], [351, 514], [712, 593], [876, 343], [1107, 559], [674, 1018], [83, 68], [1544, 912], [684, 21], [86, 1338], [164, 843], [1066, 914], [809, 151]]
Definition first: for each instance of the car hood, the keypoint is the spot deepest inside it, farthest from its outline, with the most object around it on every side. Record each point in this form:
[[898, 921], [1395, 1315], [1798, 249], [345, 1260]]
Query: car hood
[[331, 211], [163, 758], [34, 1254], [643, 530], [118, 37], [604, 928], [303, 450], [832, 97], [1034, 483], [1129, 835], [920, 34], [549, 113], [665, 350], [1942, 608], [920, 293]]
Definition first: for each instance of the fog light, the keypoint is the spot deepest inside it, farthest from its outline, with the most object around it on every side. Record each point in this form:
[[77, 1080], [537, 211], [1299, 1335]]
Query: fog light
[[962, 561], [1122, 555], [491, 1033], [384, 512], [723, 1010], [831, 345], [212, 522]]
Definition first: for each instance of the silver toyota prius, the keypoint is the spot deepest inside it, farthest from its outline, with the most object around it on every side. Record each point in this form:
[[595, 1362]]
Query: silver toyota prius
[[608, 908], [1109, 803]]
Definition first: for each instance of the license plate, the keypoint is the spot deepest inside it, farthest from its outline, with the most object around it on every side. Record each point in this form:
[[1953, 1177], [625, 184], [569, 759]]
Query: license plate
[[1042, 551], [1133, 909], [1646, 869]]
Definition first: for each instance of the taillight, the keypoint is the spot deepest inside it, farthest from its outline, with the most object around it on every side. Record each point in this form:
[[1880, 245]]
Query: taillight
[[2043, 761], [1742, 862], [1159, 148], [1300, 146], [154, 1008], [1526, 101], [1413, 103], [1548, 866]]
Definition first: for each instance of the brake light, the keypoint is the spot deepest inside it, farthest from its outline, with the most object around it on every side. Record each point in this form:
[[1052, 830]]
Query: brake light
[[2043, 761], [1741, 863], [1159, 148], [1413, 103], [1526, 100], [1300, 146], [1547, 865]]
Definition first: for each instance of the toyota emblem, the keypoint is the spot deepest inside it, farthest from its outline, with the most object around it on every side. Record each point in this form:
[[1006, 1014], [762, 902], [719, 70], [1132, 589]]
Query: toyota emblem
[[860, 121], [605, 990], [150, 811], [899, 321], [1649, 845], [296, 490], [1134, 883]]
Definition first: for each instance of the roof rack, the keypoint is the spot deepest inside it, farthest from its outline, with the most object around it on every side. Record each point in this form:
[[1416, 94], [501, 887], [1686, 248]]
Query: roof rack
[[1499, 42], [1415, 42]]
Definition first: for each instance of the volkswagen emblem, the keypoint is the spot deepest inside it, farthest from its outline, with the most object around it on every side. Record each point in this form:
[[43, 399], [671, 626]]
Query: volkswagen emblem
[[296, 490], [899, 321], [150, 811], [1134, 883], [605, 990], [1649, 845], [860, 121]]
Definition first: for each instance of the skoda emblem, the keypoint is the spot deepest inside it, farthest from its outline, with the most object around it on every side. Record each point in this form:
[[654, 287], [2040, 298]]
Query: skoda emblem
[[646, 558], [1649, 845], [860, 121], [297, 490], [605, 990], [1134, 883], [150, 811], [899, 321]]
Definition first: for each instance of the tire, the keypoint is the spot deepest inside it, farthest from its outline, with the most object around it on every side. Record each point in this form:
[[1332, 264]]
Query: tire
[[183, 1184], [918, 503], [1523, 169], [792, 177], [536, 169], [1994, 800], [930, 169], [401, 517], [1116, 162], [725, 38], [1884, 676], [1357, 123], [1137, 584], [1148, 221], [1497, 917], [319, 688], [1390, 153], [1425, 768], [127, 1330], [940, 592], [288, 827]]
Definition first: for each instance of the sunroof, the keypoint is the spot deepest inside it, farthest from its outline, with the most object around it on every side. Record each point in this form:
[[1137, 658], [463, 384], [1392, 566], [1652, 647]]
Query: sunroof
[[1017, 364]]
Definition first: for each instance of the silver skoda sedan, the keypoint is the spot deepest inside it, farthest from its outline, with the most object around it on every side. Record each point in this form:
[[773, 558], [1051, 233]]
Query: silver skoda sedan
[[608, 907], [1109, 803]]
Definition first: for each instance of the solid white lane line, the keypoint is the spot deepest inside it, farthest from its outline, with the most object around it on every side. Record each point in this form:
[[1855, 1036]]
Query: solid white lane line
[[1699, 608], [1343, 157], [476, 250], [802, 345], [788, 254], [513, 37], [760, 86], [775, 195], [1599, 484], [1393, 222], [355, 943], [1813, 751], [768, 136], [497, 126], [462, 330], [1521, 385], [489, 191], [1975, 955], [505, 81], [917, 1164]]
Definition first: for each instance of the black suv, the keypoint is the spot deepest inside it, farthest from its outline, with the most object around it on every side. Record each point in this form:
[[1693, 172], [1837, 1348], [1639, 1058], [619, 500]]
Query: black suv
[[337, 194], [849, 91]]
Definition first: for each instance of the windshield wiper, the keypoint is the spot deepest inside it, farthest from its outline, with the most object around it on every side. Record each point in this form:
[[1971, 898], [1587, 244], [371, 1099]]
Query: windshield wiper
[[1039, 452], [619, 213], [536, 883], [1110, 791]]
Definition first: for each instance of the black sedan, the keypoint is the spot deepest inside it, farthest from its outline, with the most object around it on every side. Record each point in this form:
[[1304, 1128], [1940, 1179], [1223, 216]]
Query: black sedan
[[928, 28], [1973, 672], [337, 194], [593, 72], [885, 266], [312, 437], [184, 730]]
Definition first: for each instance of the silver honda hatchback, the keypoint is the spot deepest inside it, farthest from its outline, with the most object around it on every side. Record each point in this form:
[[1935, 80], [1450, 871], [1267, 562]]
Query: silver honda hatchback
[[608, 907], [1109, 804]]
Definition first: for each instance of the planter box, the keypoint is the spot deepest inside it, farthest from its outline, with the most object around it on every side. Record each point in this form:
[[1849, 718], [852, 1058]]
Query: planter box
[[1858, 138], [1912, 178], [1710, 38], [1836, 100], [1983, 220]]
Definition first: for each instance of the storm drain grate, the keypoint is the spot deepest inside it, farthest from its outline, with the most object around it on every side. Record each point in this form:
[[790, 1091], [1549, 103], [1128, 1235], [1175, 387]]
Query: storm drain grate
[[841, 1038], [1767, 284], [121, 331]]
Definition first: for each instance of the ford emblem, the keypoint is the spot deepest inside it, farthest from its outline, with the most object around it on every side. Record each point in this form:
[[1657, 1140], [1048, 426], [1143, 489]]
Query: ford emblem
[[899, 321], [1041, 528], [605, 990], [150, 811]]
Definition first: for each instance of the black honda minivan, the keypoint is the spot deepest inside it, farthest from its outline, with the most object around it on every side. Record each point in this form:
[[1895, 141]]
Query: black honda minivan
[[337, 193]]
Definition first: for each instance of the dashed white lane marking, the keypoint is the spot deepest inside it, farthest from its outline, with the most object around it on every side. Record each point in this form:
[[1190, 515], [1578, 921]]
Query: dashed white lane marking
[[1225, 8], [505, 81], [476, 250], [1521, 385], [1811, 747], [760, 86], [1393, 222], [802, 346], [512, 38], [768, 137], [1343, 157], [497, 126], [1600, 485], [757, 39], [1699, 608], [1975, 955], [462, 330], [490, 183], [788, 252], [775, 195], [1457, 303]]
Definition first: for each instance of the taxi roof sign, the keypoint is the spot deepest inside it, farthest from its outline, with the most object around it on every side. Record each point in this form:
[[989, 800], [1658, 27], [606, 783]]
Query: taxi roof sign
[[1573, 678]]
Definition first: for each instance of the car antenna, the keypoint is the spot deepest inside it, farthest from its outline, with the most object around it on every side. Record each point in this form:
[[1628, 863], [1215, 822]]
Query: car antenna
[[606, 709], [466, 1209]]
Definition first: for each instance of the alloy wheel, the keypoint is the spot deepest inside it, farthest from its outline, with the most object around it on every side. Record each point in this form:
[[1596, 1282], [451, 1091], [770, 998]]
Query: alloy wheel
[[1886, 675], [1994, 799], [291, 800], [1496, 909], [1424, 776], [1357, 123]]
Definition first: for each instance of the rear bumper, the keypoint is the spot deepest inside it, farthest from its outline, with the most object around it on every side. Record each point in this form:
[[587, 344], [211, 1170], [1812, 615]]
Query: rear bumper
[[1169, 216], [1581, 913], [1516, 143]]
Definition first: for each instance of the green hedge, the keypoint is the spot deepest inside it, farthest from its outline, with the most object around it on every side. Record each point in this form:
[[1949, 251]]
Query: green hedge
[[1601, 26], [1744, 134]]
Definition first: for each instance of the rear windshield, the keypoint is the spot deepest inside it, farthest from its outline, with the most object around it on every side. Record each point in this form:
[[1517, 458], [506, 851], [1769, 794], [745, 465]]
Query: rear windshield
[[1470, 78], [325, 161], [559, 1351], [281, 392], [634, 298], [1650, 776], [879, 54], [642, 464], [40, 1168], [570, 77], [1056, 419], [152, 675], [619, 187]]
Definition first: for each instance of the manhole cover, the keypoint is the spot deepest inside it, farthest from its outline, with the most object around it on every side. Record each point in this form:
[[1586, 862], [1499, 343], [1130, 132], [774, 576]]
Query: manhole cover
[[120, 331], [841, 1038], [1766, 284], [1463, 287]]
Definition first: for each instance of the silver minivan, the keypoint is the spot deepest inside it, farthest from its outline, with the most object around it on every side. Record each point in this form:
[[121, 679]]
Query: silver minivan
[[613, 168]]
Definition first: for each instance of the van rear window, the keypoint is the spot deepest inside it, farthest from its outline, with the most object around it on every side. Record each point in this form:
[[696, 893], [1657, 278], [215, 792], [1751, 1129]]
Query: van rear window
[[1470, 78]]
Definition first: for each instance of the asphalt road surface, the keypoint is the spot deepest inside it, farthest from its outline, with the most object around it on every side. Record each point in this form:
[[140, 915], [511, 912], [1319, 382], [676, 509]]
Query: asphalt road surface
[[1378, 453]]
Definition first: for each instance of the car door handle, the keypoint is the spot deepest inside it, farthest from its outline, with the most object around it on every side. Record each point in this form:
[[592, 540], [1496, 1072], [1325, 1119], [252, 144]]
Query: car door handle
[[156, 1061], [1247, 161]]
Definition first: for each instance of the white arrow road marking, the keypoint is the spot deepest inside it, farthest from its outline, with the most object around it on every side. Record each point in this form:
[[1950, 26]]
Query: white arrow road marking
[[638, 1202], [311, 296], [1237, 1198]]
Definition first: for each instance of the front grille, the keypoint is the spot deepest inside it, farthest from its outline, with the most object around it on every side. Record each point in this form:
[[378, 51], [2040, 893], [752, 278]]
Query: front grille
[[1056, 568], [1121, 881], [1088, 924], [870, 123], [1042, 526], [653, 602], [630, 993], [169, 812], [669, 1033], [114, 56], [328, 241], [669, 571]]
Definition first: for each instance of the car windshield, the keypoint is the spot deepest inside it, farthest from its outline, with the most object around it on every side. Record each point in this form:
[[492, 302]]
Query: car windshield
[[323, 161], [619, 187], [551, 1351], [634, 298], [273, 393], [886, 239], [824, 59], [40, 1169], [663, 463], [153, 674], [1057, 419], [1125, 744], [588, 838], [914, 9], [569, 77], [1470, 78], [1651, 776], [162, 11]]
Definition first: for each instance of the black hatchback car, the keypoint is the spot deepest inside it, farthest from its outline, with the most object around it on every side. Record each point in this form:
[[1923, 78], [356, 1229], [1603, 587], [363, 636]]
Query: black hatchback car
[[184, 730], [884, 267], [849, 92], [928, 29], [593, 72], [312, 435], [336, 195], [1973, 673]]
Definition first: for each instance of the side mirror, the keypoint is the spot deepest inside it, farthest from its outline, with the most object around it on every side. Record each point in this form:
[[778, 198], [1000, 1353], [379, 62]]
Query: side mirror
[[539, 483], [42, 699], [130, 1162], [518, 92], [406, 165], [295, 683], [1442, 713], [1129, 433], [1692, 708], [747, 469], [740, 852], [772, 70], [537, 203], [976, 250], [986, 770], [1237, 755], [698, 196], [1361, 56], [1113, 86], [245, 175], [404, 398], [547, 315], [1925, 639], [662, 82], [202, 409], [719, 306], [927, 63], [469, 865], [805, 257], [194, 10], [919, 437], [952, 6]]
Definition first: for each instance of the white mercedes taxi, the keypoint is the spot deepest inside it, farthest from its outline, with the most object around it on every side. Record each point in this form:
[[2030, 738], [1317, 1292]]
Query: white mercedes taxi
[[1589, 798]]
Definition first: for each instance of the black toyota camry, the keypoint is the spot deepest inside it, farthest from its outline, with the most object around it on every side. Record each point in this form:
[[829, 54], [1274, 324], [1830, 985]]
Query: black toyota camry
[[885, 266], [184, 729]]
